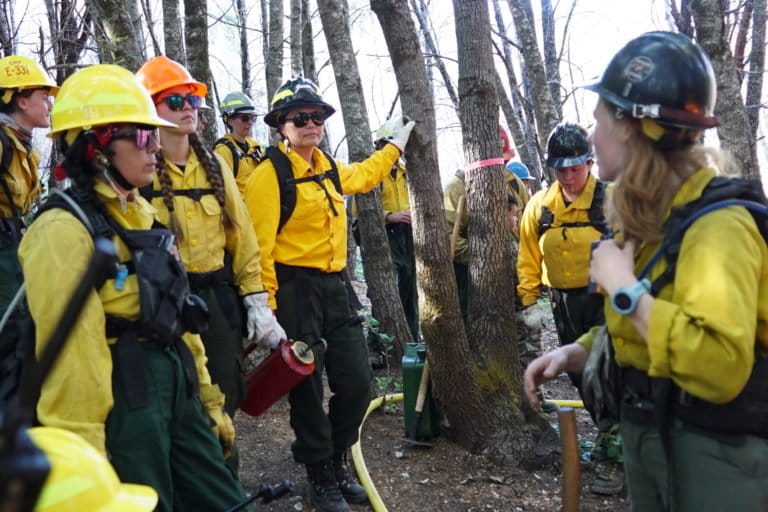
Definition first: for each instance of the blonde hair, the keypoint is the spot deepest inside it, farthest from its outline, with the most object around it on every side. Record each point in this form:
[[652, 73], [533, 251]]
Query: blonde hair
[[651, 177]]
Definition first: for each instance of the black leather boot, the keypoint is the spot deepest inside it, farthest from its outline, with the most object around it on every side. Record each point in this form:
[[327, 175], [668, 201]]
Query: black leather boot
[[323, 490], [352, 491]]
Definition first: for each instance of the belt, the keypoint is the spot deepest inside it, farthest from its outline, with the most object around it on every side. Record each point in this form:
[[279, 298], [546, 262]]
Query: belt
[[288, 272], [200, 280]]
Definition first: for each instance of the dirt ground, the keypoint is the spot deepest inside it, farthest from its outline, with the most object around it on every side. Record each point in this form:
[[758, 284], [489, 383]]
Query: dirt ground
[[443, 478]]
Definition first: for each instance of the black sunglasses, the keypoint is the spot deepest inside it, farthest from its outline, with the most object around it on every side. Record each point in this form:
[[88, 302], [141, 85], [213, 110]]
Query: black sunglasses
[[142, 136], [301, 119], [246, 118], [175, 102]]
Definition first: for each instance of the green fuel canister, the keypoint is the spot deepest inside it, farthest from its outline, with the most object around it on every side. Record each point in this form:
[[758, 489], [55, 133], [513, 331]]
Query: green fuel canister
[[431, 417]]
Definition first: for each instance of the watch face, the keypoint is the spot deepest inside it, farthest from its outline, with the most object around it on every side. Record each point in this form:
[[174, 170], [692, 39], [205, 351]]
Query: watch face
[[622, 301]]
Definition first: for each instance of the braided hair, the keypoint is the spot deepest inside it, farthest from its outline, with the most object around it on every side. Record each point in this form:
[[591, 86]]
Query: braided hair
[[215, 177], [167, 189]]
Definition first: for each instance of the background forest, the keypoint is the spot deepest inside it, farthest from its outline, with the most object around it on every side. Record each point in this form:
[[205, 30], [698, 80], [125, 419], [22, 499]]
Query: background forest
[[459, 68]]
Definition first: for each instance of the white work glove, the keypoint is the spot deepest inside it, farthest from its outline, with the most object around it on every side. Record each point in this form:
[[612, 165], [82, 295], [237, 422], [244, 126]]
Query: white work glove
[[263, 327], [397, 130]]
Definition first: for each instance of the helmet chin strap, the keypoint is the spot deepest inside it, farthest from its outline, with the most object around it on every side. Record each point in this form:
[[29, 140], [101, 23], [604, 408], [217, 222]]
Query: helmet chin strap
[[113, 174]]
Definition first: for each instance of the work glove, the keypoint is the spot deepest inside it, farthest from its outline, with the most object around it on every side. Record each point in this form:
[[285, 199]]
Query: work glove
[[534, 318], [397, 130], [221, 423], [263, 327]]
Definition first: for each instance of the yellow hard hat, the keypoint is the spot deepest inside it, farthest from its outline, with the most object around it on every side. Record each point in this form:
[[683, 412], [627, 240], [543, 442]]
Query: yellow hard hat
[[102, 94], [17, 72], [82, 479]]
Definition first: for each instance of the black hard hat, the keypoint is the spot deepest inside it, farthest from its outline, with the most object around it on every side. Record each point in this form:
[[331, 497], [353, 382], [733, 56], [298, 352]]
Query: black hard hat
[[568, 145], [295, 93], [663, 76]]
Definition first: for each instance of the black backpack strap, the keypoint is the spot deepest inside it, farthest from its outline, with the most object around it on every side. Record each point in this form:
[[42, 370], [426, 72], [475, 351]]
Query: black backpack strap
[[596, 215], [5, 167], [195, 194], [721, 192], [546, 219], [333, 174], [149, 193], [236, 152], [287, 183], [82, 208], [596, 211]]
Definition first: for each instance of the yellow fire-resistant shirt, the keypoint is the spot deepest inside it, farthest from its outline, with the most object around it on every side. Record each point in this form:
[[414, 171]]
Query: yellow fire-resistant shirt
[[249, 158], [455, 190], [22, 179], [205, 239], [703, 326], [313, 236], [394, 192], [560, 257], [54, 254]]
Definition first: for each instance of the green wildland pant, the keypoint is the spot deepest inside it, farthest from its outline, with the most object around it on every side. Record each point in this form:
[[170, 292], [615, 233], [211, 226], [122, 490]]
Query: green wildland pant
[[11, 350], [312, 306], [223, 341], [401, 250], [168, 443], [705, 472], [575, 312]]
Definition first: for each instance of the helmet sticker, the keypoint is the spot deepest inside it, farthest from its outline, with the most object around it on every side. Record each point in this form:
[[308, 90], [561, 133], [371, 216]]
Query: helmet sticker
[[639, 68]]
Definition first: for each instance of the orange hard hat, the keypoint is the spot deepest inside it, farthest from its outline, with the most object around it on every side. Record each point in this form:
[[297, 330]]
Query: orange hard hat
[[161, 73]]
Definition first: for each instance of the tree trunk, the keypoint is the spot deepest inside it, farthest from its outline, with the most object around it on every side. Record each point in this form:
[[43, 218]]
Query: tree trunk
[[377, 264], [682, 17], [134, 12], [431, 47], [543, 106], [307, 43], [527, 141], [756, 67], [551, 60], [734, 132], [296, 26], [196, 41], [274, 57], [476, 395], [69, 35], [146, 6], [245, 55], [7, 27], [491, 325], [275, 48], [173, 31], [422, 11], [116, 35], [741, 39], [265, 39]]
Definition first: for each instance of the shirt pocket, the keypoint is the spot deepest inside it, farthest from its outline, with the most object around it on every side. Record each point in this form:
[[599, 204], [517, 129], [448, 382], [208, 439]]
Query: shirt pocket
[[212, 222], [210, 205]]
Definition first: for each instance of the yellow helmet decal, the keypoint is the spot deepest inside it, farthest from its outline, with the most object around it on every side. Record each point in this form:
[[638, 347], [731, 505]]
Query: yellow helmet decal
[[279, 95]]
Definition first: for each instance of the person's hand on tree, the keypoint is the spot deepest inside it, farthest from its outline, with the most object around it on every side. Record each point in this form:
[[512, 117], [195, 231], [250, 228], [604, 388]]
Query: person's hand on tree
[[399, 217]]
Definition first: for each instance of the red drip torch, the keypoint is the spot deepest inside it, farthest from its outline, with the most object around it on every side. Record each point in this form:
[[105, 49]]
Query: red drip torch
[[276, 375]]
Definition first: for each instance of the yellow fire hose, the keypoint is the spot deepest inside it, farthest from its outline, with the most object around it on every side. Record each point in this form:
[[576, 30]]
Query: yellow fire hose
[[357, 452]]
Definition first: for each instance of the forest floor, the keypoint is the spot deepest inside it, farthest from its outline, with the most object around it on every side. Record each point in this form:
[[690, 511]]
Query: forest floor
[[443, 478]]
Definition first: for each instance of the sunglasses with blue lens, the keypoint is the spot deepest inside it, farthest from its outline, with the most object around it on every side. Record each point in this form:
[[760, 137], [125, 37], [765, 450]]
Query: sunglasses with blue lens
[[175, 102]]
